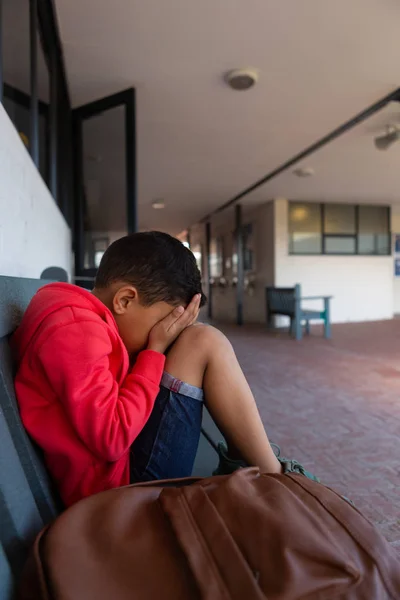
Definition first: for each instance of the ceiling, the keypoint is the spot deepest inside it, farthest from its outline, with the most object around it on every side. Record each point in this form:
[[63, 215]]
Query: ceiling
[[199, 143]]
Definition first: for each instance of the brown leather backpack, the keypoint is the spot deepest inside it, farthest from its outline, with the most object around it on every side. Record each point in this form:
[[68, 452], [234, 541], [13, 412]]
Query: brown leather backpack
[[245, 536]]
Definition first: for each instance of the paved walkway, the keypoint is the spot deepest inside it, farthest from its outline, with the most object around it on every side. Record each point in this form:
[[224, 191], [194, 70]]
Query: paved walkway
[[335, 406]]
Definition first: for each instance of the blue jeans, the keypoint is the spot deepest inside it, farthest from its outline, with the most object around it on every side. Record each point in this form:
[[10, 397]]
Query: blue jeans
[[167, 445]]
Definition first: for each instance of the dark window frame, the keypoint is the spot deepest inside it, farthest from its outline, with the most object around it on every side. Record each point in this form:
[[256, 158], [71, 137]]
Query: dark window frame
[[355, 236], [58, 115], [127, 99], [22, 99]]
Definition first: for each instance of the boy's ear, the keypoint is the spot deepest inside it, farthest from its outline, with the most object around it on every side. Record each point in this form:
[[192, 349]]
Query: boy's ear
[[124, 298]]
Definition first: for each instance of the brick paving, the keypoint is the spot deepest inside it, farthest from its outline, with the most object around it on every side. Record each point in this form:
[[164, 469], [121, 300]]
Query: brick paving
[[335, 406]]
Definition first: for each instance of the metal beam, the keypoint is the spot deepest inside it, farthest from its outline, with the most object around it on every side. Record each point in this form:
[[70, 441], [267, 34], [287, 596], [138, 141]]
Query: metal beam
[[131, 162], [34, 101], [356, 120], [53, 122], [240, 265], [208, 269], [78, 225]]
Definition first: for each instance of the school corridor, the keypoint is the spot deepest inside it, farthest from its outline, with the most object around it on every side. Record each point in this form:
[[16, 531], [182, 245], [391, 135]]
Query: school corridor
[[334, 406]]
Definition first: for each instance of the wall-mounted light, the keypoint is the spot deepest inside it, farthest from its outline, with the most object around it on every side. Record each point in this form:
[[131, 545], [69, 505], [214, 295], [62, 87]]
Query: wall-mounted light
[[392, 135], [158, 204], [304, 172]]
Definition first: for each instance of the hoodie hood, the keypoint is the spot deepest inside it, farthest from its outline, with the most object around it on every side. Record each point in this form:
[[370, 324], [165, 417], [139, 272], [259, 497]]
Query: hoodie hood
[[49, 299]]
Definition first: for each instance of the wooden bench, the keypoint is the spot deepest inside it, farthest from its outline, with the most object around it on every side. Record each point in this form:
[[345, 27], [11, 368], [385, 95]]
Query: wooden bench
[[288, 302]]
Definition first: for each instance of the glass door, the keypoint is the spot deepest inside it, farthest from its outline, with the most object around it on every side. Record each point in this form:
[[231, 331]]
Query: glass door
[[105, 179]]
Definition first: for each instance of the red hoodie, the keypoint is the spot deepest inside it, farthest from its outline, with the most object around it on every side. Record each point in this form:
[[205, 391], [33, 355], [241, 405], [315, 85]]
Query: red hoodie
[[78, 397]]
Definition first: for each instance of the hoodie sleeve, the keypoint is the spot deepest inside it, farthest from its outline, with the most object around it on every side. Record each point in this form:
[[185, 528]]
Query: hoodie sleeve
[[106, 417]]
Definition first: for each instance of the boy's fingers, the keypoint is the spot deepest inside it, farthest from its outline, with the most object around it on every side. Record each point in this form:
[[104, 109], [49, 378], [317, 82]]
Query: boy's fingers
[[195, 318], [173, 316], [190, 314], [194, 306], [181, 317]]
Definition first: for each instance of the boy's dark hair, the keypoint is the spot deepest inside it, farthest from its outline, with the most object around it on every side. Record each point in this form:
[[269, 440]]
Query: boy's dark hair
[[158, 265]]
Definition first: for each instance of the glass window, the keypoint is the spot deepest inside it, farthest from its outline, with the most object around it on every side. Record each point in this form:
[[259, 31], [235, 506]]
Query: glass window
[[234, 256], [305, 231], [248, 247], [16, 65], [248, 250], [17, 88], [346, 229], [339, 219], [216, 258], [100, 245], [373, 235], [105, 215], [340, 244], [198, 254]]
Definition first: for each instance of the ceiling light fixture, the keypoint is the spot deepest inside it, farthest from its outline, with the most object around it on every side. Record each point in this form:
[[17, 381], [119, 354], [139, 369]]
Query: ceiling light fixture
[[304, 172], [242, 79], [383, 142], [158, 204]]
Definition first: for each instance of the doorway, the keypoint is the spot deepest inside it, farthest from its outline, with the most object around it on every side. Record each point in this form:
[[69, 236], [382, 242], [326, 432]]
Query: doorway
[[105, 179]]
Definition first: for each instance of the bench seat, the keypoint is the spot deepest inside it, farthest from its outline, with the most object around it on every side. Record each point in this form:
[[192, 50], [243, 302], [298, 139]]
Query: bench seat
[[288, 302]]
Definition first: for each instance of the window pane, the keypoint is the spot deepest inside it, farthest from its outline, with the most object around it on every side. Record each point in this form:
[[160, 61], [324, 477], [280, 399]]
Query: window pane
[[105, 215], [305, 228], [373, 219], [19, 114], [234, 255], [216, 257], [383, 244], [16, 62], [305, 243], [374, 230], [248, 250], [340, 245], [340, 218], [369, 243], [248, 247], [198, 254]]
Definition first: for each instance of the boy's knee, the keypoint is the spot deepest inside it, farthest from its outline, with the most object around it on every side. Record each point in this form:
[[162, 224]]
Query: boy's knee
[[197, 348], [204, 338]]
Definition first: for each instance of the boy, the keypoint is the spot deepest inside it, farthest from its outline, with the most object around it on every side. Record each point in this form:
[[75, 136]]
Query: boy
[[110, 384]]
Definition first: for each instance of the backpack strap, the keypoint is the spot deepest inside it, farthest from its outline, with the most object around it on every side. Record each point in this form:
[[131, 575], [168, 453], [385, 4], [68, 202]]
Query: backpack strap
[[217, 563]]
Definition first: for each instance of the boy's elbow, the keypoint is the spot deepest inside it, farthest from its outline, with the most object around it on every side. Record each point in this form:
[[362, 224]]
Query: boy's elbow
[[110, 450], [113, 455]]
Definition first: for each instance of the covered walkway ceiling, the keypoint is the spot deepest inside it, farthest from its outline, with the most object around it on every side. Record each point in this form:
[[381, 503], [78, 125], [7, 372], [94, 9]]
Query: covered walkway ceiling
[[199, 143]]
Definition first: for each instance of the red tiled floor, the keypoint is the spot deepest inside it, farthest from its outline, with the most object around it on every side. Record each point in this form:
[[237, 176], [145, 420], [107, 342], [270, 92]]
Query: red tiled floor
[[335, 406]]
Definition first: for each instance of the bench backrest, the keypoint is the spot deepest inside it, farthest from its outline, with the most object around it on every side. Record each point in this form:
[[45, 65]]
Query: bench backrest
[[281, 301], [27, 500]]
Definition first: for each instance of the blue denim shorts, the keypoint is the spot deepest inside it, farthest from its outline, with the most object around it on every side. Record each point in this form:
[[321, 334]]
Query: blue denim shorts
[[167, 445]]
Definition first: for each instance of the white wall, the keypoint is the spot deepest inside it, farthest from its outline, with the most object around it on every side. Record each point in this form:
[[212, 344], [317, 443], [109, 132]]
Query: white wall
[[33, 232], [361, 286]]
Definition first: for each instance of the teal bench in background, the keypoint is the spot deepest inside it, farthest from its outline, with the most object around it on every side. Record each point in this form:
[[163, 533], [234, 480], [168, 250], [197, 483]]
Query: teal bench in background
[[288, 302]]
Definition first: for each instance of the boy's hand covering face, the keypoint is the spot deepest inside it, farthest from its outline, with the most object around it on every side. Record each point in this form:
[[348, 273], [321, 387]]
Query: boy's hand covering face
[[165, 332]]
